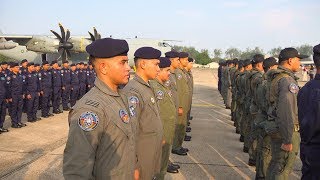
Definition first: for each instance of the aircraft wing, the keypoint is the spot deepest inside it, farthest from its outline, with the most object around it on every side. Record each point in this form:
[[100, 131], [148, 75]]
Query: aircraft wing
[[20, 39]]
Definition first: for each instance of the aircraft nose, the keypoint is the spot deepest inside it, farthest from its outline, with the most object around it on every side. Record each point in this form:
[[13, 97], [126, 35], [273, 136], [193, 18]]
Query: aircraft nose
[[67, 45]]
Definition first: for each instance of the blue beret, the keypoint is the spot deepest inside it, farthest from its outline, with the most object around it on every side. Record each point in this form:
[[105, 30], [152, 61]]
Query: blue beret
[[36, 65], [147, 53], [23, 61], [73, 64], [45, 62], [65, 61], [257, 58], [30, 64], [3, 63], [316, 55], [14, 64], [183, 55], [53, 62], [164, 62], [190, 59], [172, 54], [108, 47]]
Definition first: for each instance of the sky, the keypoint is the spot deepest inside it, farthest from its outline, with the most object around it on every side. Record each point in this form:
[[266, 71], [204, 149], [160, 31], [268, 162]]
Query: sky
[[204, 24]]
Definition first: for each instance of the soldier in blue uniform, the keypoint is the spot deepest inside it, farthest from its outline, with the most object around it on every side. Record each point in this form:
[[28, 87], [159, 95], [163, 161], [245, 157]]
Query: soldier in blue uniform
[[24, 68], [32, 87], [82, 75], [3, 103], [37, 69], [309, 121], [15, 95], [66, 80], [4, 66], [46, 89], [74, 85], [91, 76], [57, 87]]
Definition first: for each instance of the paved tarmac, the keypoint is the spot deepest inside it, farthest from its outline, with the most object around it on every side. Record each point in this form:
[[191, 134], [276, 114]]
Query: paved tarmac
[[36, 151]]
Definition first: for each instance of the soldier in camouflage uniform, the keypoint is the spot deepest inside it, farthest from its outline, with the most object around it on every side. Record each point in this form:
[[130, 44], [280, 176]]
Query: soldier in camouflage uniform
[[263, 139], [232, 73], [237, 107], [227, 85]]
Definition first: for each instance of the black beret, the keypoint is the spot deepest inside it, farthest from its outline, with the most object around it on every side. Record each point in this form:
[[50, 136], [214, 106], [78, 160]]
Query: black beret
[[3, 63], [257, 58], [45, 62], [164, 62], [54, 62], [229, 62], [269, 62], [65, 61], [36, 65], [172, 54], [73, 64], [183, 55], [288, 53], [147, 53], [246, 62], [23, 61], [80, 63], [190, 59], [30, 64], [240, 64], [108, 47], [14, 64]]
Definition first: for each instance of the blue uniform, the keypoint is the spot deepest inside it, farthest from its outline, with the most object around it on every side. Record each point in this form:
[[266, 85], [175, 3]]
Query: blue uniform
[[82, 74], [46, 87], [91, 76], [309, 121], [57, 85], [32, 86], [3, 91], [74, 87], [66, 82], [15, 91]]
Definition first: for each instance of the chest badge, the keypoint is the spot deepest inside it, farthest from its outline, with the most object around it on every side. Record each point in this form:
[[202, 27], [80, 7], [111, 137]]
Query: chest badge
[[160, 94], [152, 100], [124, 116]]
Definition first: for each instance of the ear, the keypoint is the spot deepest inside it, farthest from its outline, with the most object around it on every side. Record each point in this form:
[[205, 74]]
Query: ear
[[103, 68], [143, 64], [290, 61]]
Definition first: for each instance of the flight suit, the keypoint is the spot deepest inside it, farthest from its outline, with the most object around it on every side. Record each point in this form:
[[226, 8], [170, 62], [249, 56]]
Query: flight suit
[[144, 109], [228, 93], [309, 116], [233, 72], [224, 87], [32, 86], [82, 76], [189, 76], [239, 99], [57, 85], [283, 97], [15, 91], [243, 103], [101, 140], [66, 81], [3, 92], [45, 78], [75, 87], [183, 102], [168, 115], [172, 85]]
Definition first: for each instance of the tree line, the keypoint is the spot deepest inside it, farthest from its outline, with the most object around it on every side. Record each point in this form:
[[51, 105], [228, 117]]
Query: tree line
[[204, 57]]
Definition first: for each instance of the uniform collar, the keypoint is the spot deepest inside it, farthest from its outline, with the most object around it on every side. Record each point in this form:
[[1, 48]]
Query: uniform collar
[[288, 71], [140, 80], [104, 88], [317, 77], [161, 84]]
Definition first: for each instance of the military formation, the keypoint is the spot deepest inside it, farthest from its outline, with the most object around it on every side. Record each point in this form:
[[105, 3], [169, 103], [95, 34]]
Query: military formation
[[126, 128], [28, 88], [262, 96]]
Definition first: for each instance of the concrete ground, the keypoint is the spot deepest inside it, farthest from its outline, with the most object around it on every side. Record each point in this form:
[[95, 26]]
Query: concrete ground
[[36, 151]]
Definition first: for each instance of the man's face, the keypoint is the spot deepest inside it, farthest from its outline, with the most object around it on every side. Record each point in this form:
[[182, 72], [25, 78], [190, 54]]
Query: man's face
[[24, 64], [31, 68], [249, 67], [15, 69], [175, 62], [151, 68], [295, 64], [73, 68], [37, 68], [190, 65], [55, 66], [164, 74], [66, 65], [4, 66], [184, 62], [45, 67], [273, 67], [117, 69]]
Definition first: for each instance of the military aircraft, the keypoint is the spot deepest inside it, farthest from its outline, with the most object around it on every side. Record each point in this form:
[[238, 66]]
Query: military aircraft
[[37, 48]]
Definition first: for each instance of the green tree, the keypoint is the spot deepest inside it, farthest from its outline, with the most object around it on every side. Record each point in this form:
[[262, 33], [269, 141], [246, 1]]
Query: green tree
[[305, 49], [203, 57], [249, 53], [274, 52], [217, 53], [232, 53]]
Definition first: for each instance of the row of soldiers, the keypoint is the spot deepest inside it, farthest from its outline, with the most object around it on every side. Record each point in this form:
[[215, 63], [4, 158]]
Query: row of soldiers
[[129, 132], [262, 96], [30, 87]]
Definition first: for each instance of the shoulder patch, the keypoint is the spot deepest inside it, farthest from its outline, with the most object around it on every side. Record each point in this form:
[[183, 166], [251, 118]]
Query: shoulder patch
[[92, 103], [160, 95], [293, 88], [124, 116], [88, 121]]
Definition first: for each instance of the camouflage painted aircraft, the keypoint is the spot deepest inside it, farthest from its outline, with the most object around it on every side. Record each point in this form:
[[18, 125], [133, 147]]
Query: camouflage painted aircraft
[[37, 48]]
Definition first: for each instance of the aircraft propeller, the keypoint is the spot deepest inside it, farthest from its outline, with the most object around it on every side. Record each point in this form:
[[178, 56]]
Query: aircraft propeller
[[95, 35], [64, 45]]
